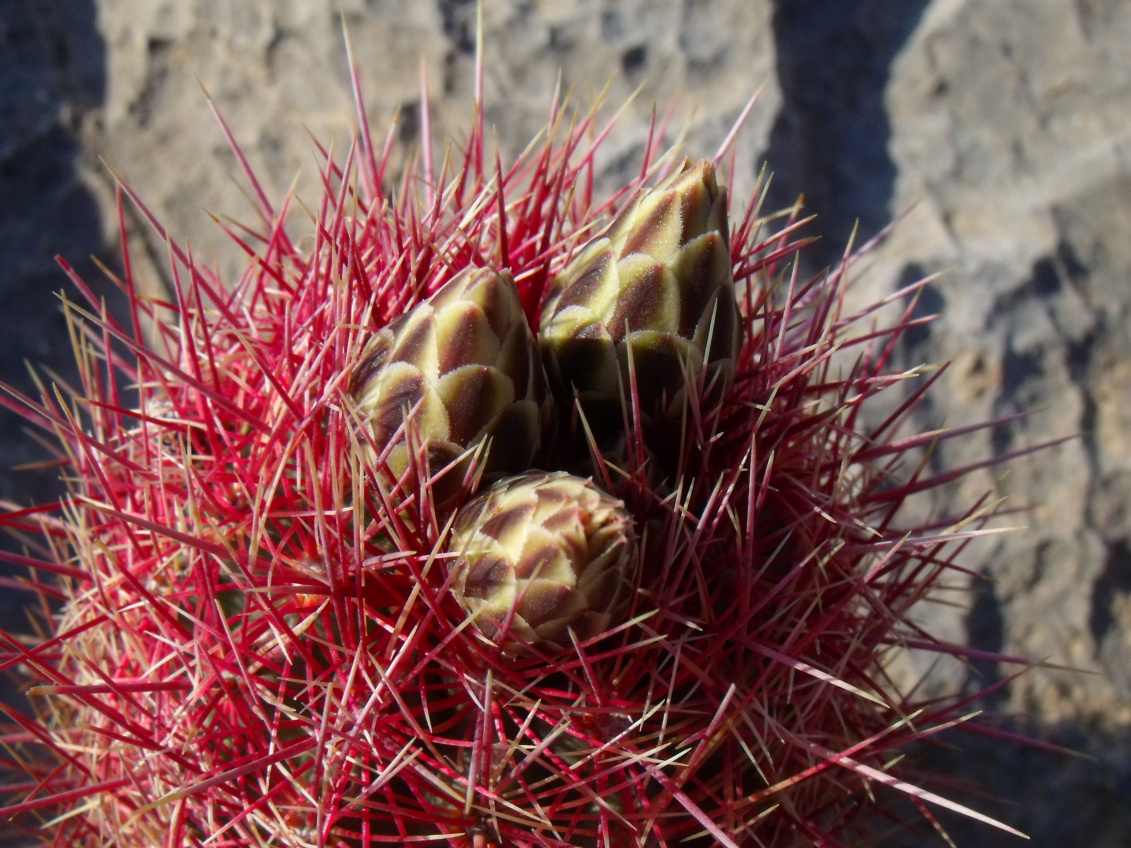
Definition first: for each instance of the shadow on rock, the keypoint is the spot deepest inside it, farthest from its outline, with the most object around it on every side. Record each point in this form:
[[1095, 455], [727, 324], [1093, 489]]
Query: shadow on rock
[[1076, 797], [52, 79], [830, 141]]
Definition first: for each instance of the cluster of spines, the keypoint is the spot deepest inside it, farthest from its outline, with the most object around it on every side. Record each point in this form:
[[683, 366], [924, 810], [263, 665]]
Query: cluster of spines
[[258, 645]]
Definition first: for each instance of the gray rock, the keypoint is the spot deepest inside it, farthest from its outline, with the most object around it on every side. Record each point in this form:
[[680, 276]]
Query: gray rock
[[1010, 132]]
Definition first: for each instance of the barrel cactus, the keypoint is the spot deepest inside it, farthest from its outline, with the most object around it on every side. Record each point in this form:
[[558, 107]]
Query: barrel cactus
[[274, 610]]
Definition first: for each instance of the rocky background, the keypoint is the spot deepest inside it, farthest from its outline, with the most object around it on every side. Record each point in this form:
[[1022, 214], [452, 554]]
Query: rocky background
[[1001, 127]]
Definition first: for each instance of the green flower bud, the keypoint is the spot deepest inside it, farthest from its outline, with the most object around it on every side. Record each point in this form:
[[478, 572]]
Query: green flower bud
[[468, 358], [540, 555], [658, 287]]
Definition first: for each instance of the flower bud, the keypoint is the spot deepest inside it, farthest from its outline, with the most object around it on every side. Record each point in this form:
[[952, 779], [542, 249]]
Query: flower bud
[[658, 287], [467, 357], [540, 555]]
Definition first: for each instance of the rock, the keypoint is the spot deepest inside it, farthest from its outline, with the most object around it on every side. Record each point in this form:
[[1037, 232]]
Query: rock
[[274, 68], [1009, 129]]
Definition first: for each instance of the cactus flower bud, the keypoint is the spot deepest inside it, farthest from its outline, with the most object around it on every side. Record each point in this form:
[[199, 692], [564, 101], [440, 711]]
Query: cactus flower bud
[[659, 285], [467, 356], [539, 555]]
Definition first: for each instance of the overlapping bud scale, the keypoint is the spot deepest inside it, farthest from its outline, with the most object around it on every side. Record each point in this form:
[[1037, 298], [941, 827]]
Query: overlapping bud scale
[[539, 555], [466, 361], [657, 288]]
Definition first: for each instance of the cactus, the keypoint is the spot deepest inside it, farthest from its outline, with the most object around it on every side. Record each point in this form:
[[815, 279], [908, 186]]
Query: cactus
[[246, 637]]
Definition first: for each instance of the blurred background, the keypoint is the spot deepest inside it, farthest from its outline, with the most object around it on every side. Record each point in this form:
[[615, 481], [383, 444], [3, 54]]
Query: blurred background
[[1002, 128]]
